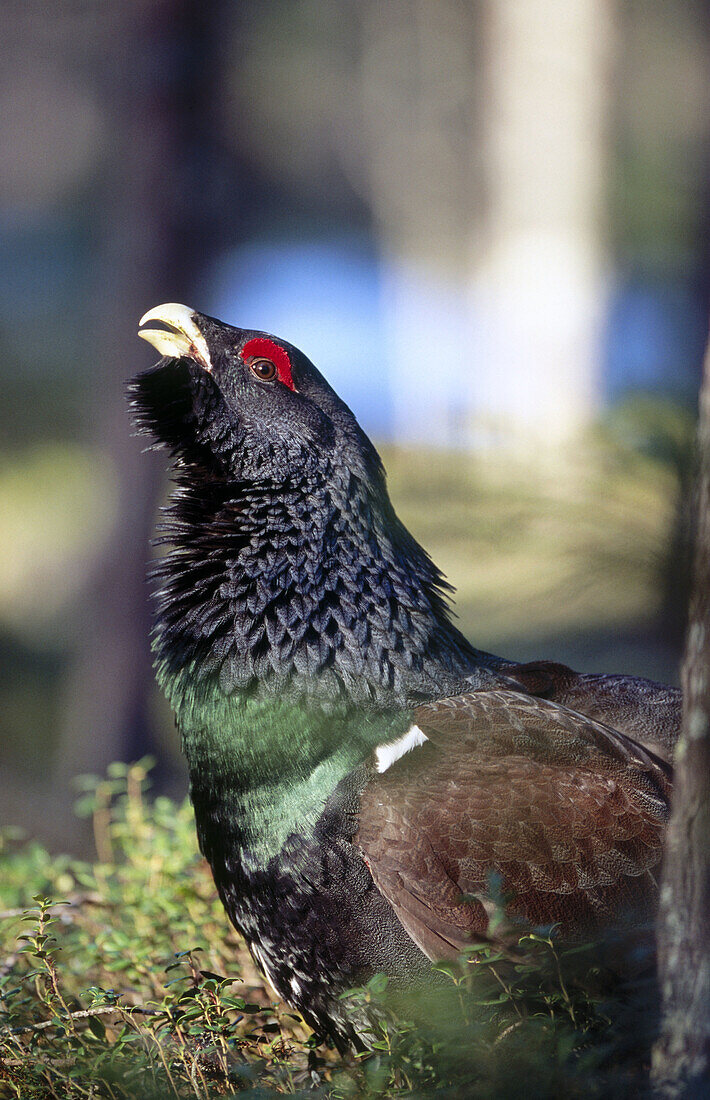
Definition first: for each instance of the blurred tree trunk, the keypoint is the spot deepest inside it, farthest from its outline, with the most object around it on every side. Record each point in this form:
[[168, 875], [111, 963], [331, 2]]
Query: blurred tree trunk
[[161, 88], [482, 150], [681, 1060], [538, 266]]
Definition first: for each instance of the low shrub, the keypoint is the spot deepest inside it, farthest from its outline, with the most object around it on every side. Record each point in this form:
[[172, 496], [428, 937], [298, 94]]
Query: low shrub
[[122, 979]]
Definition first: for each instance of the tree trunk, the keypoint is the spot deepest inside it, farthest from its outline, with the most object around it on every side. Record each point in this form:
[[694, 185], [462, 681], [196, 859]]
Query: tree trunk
[[161, 90], [681, 1059], [538, 268]]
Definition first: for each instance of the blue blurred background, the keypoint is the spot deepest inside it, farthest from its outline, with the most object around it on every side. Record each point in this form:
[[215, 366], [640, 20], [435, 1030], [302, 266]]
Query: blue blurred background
[[484, 221]]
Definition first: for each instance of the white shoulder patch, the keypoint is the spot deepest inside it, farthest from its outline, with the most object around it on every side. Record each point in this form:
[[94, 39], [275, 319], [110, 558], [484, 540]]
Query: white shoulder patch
[[385, 755]]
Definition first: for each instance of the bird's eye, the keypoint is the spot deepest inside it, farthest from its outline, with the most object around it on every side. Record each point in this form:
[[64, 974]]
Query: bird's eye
[[264, 369]]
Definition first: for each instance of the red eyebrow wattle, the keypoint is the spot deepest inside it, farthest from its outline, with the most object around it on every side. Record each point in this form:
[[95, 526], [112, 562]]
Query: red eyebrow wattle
[[260, 346]]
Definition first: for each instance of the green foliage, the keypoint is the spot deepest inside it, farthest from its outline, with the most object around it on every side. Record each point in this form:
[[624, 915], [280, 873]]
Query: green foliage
[[533, 1018], [130, 983]]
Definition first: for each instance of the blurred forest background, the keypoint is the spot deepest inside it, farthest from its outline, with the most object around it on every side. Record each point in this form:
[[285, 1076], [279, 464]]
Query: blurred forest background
[[486, 223]]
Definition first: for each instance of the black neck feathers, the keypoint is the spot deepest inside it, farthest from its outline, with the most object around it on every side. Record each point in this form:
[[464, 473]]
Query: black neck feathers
[[309, 587]]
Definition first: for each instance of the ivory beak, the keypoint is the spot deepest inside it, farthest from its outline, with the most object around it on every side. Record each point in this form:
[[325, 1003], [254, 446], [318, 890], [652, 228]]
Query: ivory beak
[[182, 338]]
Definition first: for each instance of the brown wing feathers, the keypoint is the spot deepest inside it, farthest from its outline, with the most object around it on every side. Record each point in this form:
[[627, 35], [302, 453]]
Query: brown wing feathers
[[567, 813], [647, 711]]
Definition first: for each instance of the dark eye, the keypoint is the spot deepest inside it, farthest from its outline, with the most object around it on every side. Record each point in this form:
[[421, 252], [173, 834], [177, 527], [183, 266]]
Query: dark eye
[[264, 369]]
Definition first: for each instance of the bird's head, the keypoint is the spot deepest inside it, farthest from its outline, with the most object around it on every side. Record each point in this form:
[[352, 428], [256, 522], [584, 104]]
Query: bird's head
[[241, 403]]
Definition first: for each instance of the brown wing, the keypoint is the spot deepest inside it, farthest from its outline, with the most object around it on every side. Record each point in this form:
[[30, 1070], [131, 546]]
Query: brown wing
[[647, 711], [566, 813]]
